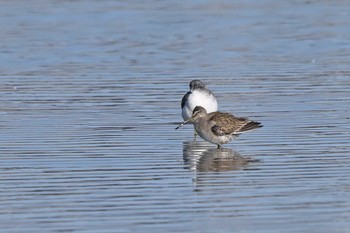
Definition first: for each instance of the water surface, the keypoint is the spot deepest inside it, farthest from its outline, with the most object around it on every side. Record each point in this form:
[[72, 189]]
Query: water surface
[[90, 97]]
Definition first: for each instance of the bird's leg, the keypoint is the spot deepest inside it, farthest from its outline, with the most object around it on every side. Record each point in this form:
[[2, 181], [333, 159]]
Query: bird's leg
[[195, 136]]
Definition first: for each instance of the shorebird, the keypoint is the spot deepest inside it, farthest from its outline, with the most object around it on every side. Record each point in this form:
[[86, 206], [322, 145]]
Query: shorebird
[[219, 127], [198, 95]]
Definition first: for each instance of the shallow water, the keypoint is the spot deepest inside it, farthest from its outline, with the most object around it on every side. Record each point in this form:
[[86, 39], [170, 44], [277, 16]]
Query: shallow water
[[90, 99]]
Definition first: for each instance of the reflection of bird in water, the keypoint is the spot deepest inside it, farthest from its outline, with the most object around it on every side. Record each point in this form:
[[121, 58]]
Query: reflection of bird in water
[[200, 157], [223, 159], [192, 152]]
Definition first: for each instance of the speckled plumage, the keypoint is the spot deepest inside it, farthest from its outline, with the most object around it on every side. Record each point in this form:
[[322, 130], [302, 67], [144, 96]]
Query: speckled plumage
[[218, 127], [226, 123]]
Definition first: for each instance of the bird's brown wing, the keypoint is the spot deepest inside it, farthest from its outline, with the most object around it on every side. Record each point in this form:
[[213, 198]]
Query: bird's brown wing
[[225, 123]]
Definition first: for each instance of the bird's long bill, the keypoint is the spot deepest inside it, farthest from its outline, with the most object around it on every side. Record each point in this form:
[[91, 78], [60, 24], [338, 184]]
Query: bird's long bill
[[183, 123]]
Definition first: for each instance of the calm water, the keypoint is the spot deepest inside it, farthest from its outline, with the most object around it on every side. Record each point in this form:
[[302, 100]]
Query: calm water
[[90, 94]]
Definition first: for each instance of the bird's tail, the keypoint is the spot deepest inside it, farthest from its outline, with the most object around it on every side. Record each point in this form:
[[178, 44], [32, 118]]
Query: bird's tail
[[250, 126]]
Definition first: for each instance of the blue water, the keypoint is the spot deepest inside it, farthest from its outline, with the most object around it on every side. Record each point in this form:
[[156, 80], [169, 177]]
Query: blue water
[[90, 97]]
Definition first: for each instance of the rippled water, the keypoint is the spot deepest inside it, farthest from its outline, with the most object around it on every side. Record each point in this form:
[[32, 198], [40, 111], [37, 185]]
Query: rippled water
[[90, 96]]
